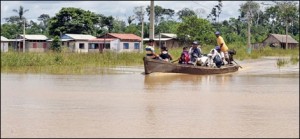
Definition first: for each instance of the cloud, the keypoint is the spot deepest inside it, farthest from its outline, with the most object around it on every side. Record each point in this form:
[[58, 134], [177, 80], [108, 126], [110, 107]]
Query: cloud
[[119, 9]]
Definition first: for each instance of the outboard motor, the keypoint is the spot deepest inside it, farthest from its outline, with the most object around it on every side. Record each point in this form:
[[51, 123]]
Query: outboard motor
[[231, 53]]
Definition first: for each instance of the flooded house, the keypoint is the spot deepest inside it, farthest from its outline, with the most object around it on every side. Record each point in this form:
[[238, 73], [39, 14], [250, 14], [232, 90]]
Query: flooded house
[[4, 44], [277, 41], [33, 43], [165, 39], [117, 42], [77, 42]]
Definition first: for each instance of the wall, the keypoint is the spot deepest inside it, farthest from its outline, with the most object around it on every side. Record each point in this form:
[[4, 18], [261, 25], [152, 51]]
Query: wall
[[39, 46], [4, 46]]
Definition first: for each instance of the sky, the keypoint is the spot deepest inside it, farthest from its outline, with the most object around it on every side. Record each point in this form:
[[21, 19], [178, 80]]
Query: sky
[[118, 9]]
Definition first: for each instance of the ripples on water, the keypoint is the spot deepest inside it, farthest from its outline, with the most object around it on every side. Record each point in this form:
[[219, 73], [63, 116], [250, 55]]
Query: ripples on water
[[257, 101]]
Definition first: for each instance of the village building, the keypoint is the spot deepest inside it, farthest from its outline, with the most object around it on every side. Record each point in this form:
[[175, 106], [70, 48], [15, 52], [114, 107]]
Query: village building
[[76, 42], [33, 43], [168, 40], [4, 44], [277, 41], [116, 42]]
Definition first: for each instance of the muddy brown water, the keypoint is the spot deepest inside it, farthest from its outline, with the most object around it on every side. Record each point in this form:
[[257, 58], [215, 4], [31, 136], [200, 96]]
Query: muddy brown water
[[259, 100]]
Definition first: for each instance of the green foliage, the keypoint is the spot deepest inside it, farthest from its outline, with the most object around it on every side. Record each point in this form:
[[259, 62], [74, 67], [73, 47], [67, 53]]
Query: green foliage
[[185, 12], [167, 27], [10, 31], [73, 20], [193, 28], [55, 45]]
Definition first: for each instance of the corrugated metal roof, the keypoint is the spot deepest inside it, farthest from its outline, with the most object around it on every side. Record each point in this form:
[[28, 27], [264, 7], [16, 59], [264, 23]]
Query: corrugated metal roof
[[80, 36], [4, 39], [170, 35], [282, 38], [157, 39], [125, 36], [34, 37]]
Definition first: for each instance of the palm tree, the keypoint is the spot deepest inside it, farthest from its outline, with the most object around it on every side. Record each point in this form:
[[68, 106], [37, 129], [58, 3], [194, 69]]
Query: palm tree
[[21, 12]]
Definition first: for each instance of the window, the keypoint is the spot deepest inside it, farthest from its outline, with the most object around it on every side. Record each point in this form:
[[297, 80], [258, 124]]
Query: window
[[107, 46], [34, 45], [125, 45], [44, 45], [136, 45], [81, 45]]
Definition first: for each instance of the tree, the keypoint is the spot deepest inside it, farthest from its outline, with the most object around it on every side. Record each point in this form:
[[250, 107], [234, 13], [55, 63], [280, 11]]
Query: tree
[[55, 45], [167, 27], [249, 9], [44, 18], [108, 22], [73, 20], [160, 13], [215, 12], [287, 15], [10, 31], [185, 12], [193, 28], [130, 19], [139, 14]]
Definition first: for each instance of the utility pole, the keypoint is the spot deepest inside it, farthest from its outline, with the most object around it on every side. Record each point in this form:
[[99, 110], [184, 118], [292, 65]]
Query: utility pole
[[142, 33], [24, 36], [151, 28], [249, 15]]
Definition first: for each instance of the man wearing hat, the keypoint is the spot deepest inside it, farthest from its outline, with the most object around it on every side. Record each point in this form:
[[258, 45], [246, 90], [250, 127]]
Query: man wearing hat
[[150, 50], [195, 51], [223, 46]]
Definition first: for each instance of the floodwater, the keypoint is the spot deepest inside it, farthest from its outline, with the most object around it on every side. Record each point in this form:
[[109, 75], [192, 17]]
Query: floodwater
[[259, 100]]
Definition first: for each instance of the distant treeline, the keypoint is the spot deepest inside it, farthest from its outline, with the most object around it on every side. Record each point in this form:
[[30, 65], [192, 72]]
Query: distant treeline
[[188, 24]]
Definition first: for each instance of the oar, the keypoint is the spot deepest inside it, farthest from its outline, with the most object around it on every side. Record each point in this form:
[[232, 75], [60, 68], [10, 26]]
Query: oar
[[237, 64]]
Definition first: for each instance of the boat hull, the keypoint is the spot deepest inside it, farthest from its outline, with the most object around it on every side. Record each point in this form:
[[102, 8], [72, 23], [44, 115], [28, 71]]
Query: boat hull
[[152, 65]]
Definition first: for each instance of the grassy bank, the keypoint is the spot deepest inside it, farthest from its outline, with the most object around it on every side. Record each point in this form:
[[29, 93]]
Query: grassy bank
[[66, 63]]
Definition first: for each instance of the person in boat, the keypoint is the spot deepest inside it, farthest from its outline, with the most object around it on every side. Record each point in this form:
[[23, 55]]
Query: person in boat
[[164, 55], [223, 46], [184, 57], [195, 52], [217, 56], [150, 53]]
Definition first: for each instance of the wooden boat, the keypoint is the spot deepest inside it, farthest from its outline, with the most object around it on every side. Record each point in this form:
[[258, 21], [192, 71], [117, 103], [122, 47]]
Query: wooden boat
[[153, 65]]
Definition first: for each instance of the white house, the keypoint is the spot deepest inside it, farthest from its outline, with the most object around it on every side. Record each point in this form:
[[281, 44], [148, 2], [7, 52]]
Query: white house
[[117, 42], [77, 42], [4, 44]]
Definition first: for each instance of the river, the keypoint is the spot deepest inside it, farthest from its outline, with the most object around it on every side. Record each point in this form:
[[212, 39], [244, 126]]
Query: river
[[260, 100]]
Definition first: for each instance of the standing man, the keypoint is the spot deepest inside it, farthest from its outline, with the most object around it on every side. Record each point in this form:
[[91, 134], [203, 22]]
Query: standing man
[[150, 53], [223, 46]]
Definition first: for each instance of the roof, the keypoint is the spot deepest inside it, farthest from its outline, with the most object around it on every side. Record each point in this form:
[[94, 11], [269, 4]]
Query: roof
[[101, 40], [4, 39], [282, 38], [168, 35], [80, 36], [124, 36], [157, 39], [34, 37]]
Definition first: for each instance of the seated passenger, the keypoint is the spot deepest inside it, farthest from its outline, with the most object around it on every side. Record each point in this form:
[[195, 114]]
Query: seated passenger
[[150, 53], [195, 52], [164, 55], [184, 57], [217, 56]]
